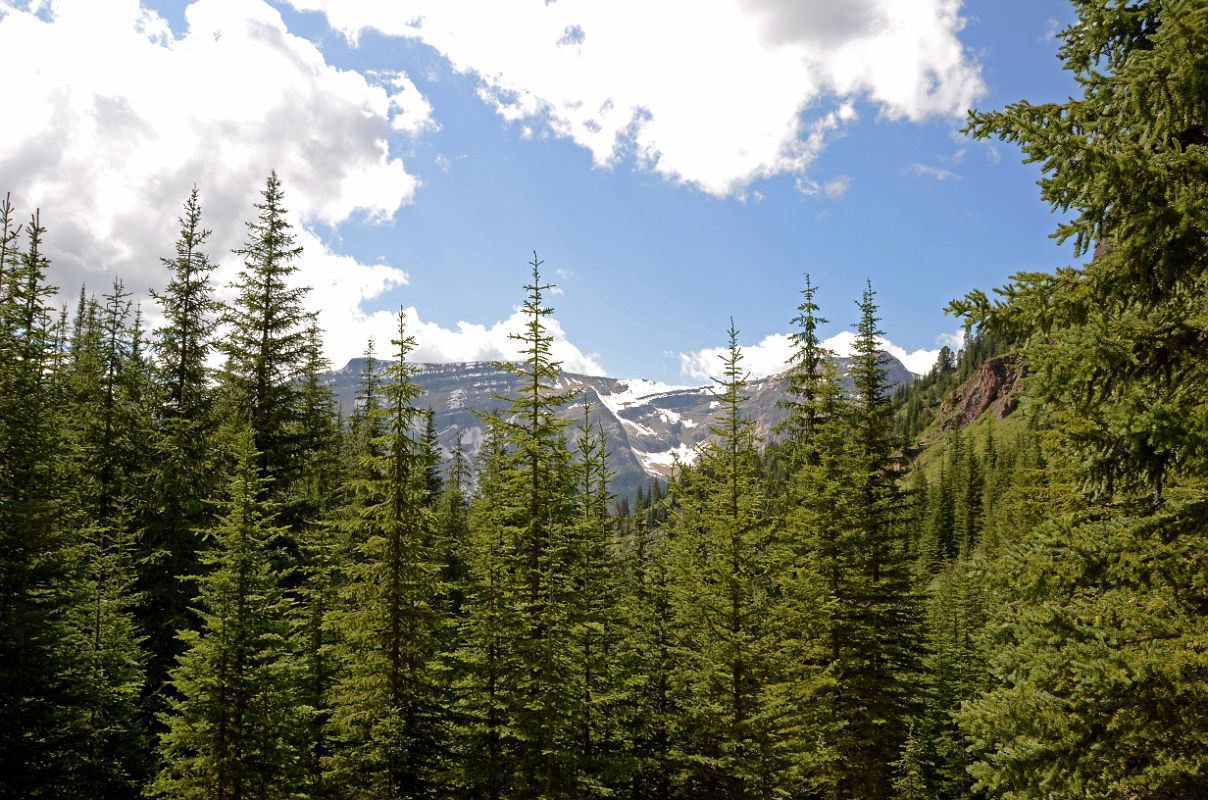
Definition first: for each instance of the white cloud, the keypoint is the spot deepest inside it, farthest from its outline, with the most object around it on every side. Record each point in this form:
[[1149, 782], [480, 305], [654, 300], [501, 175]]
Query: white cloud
[[469, 341], [917, 361], [771, 355], [715, 95], [112, 119], [768, 357], [836, 187], [1051, 29], [927, 171]]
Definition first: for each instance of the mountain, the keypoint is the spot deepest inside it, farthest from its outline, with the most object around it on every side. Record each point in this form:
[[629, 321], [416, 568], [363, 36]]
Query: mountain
[[648, 425]]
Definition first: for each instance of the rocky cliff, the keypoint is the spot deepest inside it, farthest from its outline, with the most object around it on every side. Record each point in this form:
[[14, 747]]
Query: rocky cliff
[[995, 388], [649, 426]]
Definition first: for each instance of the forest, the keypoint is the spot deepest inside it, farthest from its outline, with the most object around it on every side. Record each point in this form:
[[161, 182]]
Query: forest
[[213, 585]]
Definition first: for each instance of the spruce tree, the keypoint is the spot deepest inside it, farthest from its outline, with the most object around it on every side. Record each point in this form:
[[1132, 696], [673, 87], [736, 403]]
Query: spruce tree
[[521, 656], [539, 471], [37, 694], [322, 553], [746, 697], [234, 721], [183, 444], [596, 620], [1095, 649], [266, 341], [387, 708], [876, 634], [648, 661], [452, 526], [810, 382], [486, 663], [105, 421]]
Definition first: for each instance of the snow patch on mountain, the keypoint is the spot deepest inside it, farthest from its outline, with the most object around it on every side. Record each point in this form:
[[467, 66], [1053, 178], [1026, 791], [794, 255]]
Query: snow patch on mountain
[[661, 463], [636, 391]]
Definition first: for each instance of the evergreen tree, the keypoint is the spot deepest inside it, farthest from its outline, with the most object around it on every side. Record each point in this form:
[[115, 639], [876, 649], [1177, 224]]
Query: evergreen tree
[[453, 527], [37, 748], [105, 421], [876, 635], [811, 381], [387, 707], [521, 654], [486, 662], [1094, 650], [432, 455], [183, 478], [233, 724], [321, 554], [596, 621], [266, 341], [745, 694], [908, 781], [539, 472]]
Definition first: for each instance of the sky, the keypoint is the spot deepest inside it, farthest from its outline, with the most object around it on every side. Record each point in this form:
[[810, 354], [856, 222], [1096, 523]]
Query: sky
[[673, 164]]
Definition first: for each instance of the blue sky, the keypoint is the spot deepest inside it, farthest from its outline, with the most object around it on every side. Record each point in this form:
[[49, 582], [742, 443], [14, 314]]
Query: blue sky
[[427, 150]]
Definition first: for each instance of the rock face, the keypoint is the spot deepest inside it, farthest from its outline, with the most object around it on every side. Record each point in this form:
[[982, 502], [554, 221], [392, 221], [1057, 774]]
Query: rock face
[[995, 388], [649, 426]]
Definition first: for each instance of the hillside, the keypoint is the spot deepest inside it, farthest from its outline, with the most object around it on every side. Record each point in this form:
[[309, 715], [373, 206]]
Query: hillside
[[648, 425]]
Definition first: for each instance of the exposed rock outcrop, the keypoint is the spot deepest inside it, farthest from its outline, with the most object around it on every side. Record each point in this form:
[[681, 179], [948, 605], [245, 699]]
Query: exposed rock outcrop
[[995, 388]]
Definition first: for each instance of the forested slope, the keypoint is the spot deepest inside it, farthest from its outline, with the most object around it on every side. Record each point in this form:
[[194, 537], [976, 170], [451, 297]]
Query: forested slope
[[214, 586]]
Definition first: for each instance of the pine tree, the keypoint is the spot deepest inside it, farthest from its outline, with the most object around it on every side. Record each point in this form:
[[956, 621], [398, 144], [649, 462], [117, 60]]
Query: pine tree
[[387, 708], [876, 635], [37, 698], [183, 478], [745, 695], [266, 341], [233, 724], [1094, 649]]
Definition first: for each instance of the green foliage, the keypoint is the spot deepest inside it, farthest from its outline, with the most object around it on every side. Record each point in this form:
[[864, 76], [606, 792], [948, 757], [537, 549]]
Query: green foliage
[[39, 694], [184, 465], [745, 695], [386, 720], [1098, 684], [873, 625], [1100, 626], [1112, 345], [266, 342], [233, 726]]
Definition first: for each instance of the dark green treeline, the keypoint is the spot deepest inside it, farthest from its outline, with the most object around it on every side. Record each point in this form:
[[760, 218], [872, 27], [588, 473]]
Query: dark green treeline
[[216, 588], [212, 586]]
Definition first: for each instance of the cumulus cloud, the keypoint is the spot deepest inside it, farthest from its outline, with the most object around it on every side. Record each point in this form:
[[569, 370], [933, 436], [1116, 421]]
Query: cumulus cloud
[[770, 356], [114, 118], [715, 95], [468, 341]]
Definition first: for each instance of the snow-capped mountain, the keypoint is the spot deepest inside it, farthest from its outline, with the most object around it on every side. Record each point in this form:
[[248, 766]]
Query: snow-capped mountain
[[648, 425]]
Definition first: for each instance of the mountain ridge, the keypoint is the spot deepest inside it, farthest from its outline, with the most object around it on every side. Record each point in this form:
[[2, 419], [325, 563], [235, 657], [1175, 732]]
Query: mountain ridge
[[649, 426]]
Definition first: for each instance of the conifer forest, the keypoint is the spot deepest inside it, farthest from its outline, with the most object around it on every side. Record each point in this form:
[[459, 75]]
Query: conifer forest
[[213, 585]]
